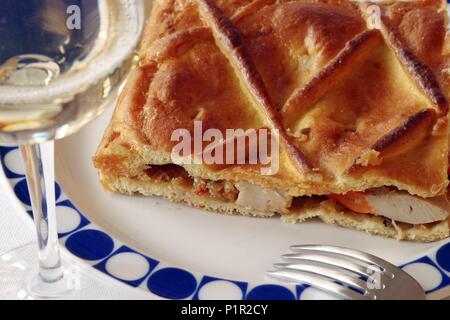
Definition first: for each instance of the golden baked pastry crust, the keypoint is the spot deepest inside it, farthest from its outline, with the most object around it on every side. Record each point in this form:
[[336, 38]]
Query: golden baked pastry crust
[[373, 102]]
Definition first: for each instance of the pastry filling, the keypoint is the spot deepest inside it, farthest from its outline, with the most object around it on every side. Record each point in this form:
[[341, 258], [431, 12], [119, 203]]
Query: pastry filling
[[219, 190], [396, 205]]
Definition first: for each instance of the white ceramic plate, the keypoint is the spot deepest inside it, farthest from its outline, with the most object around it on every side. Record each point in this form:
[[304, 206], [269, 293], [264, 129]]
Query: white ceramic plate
[[178, 252], [225, 247]]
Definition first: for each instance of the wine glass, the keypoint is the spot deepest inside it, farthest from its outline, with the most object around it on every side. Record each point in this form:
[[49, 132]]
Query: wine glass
[[61, 63]]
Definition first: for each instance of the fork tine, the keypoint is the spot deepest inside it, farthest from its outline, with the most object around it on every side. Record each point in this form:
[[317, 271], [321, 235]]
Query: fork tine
[[350, 253], [327, 260], [317, 282], [325, 271]]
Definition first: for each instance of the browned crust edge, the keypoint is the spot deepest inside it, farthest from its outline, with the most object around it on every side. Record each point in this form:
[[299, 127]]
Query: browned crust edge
[[404, 129], [421, 74], [167, 47], [230, 42], [400, 132], [251, 7], [306, 96]]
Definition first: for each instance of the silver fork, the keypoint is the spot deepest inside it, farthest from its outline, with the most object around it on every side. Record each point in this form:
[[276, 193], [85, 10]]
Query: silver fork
[[348, 273]]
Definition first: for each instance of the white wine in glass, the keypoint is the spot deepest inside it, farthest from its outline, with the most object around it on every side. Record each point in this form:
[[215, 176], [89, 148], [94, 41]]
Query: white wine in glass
[[61, 63]]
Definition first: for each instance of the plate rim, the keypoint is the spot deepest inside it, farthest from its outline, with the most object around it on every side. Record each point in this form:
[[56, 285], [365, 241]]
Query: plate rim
[[156, 280]]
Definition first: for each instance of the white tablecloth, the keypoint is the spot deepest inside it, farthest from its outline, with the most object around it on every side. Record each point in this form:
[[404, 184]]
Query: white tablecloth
[[16, 230]]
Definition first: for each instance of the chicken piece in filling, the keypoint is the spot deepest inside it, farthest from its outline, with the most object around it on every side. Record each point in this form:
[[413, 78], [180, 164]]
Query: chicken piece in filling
[[397, 205]]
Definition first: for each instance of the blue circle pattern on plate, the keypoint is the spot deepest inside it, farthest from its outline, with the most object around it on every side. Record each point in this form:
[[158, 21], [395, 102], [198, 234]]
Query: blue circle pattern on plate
[[270, 292], [206, 281], [136, 281], [172, 283], [90, 245], [21, 191], [443, 257], [87, 241]]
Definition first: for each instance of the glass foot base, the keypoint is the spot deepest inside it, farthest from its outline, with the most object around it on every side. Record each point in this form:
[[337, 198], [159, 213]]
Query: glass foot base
[[20, 280]]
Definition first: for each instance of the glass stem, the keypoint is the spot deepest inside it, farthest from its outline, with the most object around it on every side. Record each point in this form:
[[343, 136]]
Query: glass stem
[[39, 162]]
